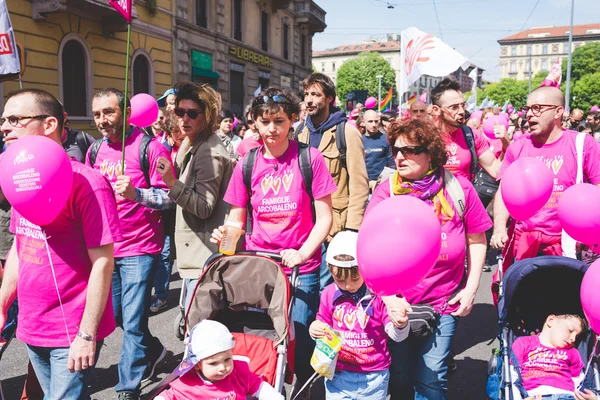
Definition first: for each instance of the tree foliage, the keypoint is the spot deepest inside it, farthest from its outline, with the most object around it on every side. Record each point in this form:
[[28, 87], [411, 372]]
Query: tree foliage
[[585, 60], [514, 91], [360, 73], [586, 92]]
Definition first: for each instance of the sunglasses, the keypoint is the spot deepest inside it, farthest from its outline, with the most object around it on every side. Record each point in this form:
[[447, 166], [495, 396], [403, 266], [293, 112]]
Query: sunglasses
[[408, 150], [192, 113], [277, 98]]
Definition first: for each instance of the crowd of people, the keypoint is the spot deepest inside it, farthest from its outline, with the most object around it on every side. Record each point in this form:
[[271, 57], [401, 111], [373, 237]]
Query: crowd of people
[[200, 168]]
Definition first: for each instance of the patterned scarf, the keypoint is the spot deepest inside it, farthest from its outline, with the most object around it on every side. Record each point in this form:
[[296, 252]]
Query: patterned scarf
[[430, 189]]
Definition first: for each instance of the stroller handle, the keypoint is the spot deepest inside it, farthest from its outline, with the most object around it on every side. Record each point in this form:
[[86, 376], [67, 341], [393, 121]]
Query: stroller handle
[[273, 256]]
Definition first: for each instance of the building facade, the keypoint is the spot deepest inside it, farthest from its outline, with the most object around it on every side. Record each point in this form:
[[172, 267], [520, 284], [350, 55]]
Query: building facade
[[537, 49], [239, 45], [74, 48]]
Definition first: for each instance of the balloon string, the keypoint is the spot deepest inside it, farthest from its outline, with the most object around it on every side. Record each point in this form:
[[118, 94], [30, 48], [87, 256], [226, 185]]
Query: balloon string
[[589, 364], [62, 310]]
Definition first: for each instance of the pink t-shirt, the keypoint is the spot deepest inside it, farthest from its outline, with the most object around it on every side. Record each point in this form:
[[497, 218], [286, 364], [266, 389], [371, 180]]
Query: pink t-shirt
[[447, 273], [546, 366], [88, 220], [495, 146], [142, 228], [282, 217], [561, 158], [247, 145], [365, 347], [459, 156], [235, 386]]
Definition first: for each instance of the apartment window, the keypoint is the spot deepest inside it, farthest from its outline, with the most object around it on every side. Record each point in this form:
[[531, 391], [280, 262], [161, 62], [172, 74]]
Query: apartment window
[[333, 66], [264, 79], [545, 49], [141, 75], [237, 20], [303, 45], [236, 88], [74, 65], [566, 48], [201, 13], [264, 29], [322, 67], [513, 51], [286, 41], [555, 48], [545, 64], [528, 50], [513, 67]]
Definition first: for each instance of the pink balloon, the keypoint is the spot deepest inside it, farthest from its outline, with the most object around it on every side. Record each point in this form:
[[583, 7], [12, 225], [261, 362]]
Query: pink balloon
[[594, 108], [520, 113], [476, 115], [590, 301], [488, 125], [144, 110], [581, 226], [398, 244], [371, 102], [36, 178], [526, 187], [504, 116]]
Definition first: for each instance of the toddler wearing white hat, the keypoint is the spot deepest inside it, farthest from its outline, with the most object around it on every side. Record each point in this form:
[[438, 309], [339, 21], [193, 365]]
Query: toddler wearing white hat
[[213, 373]]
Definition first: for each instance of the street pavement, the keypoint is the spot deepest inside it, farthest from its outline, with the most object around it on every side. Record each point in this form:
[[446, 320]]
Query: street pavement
[[473, 346]]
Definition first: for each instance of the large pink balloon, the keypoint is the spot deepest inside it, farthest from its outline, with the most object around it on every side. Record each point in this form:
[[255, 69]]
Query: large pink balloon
[[488, 125], [581, 226], [36, 178], [371, 102], [398, 244], [526, 187], [590, 301], [144, 110]]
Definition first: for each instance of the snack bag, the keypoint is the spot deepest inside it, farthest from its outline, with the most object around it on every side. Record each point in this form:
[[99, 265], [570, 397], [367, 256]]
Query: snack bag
[[325, 356]]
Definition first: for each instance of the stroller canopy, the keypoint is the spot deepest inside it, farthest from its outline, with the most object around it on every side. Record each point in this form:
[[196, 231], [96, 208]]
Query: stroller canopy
[[537, 287]]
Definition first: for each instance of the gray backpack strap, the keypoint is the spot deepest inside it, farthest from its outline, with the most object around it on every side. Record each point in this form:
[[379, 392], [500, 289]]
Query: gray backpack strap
[[456, 193]]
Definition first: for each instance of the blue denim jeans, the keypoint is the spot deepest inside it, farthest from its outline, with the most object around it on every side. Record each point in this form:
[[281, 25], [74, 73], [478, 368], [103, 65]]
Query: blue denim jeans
[[163, 272], [57, 382], [304, 313], [190, 285], [325, 278], [346, 385], [419, 368], [131, 287]]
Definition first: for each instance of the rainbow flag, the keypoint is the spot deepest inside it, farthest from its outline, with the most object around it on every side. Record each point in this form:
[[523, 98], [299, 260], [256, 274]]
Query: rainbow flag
[[386, 103], [411, 99]]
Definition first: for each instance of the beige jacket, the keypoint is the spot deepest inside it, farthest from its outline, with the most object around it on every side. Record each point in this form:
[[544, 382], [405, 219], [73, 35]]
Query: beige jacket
[[350, 199], [204, 169]]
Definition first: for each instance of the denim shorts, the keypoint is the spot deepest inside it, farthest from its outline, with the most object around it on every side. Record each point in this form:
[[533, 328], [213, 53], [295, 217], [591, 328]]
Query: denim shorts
[[358, 385]]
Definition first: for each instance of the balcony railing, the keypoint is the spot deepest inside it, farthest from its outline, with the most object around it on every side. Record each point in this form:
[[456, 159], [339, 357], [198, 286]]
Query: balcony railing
[[308, 12]]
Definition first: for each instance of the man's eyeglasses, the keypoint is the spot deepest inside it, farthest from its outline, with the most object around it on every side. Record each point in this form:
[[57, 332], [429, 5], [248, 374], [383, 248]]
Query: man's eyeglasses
[[418, 111], [536, 109], [192, 113], [14, 120], [277, 98], [408, 150], [456, 107]]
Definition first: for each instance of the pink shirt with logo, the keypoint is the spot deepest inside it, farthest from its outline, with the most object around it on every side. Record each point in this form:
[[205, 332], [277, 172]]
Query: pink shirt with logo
[[235, 386], [459, 156], [447, 274], [546, 366], [365, 347], [88, 220], [282, 216], [142, 229], [561, 158]]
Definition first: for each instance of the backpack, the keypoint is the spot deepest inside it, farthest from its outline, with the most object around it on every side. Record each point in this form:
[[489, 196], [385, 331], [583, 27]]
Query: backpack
[[144, 158], [470, 139], [304, 162], [340, 140], [452, 185]]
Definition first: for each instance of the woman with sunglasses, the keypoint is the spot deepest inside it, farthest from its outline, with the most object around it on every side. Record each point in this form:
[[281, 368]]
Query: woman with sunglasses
[[282, 214], [419, 367]]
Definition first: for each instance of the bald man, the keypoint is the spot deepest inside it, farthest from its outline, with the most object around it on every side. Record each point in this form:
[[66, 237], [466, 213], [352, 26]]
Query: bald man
[[542, 233], [418, 110], [378, 154], [575, 119]]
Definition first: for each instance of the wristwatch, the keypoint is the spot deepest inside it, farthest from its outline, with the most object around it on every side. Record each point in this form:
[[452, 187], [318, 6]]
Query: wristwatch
[[86, 337]]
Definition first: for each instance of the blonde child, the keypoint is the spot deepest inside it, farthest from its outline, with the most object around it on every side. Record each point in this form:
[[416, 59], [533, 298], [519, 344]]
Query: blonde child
[[551, 367], [215, 374], [362, 370]]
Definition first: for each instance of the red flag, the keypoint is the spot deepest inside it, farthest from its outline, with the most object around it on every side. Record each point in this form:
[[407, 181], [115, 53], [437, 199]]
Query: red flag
[[124, 7]]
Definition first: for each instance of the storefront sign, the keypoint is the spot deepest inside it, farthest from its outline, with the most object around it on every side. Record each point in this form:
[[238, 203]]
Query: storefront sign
[[286, 81], [202, 60], [248, 55]]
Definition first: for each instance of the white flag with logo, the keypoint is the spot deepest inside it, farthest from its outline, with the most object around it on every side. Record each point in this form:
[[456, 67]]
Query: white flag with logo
[[424, 54], [9, 58]]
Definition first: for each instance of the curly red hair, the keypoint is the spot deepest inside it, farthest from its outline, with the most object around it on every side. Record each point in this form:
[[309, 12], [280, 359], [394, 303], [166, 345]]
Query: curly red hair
[[422, 133]]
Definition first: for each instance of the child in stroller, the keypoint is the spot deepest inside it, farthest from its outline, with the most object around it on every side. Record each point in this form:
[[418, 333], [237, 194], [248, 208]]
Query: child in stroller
[[212, 371], [550, 365]]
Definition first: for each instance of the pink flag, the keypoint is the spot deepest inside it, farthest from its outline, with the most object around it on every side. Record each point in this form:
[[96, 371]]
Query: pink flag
[[554, 77], [124, 7]]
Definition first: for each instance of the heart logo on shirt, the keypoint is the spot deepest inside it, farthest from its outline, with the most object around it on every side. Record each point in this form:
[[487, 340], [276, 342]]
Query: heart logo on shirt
[[287, 180], [265, 184], [453, 148], [350, 320], [338, 315], [363, 319], [556, 164], [111, 171], [118, 170], [276, 185], [103, 167]]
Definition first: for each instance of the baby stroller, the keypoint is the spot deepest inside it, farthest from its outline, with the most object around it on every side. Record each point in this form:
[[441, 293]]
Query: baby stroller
[[531, 290], [8, 332], [250, 294]]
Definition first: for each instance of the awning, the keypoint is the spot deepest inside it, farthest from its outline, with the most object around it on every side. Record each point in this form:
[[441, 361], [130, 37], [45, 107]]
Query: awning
[[205, 73]]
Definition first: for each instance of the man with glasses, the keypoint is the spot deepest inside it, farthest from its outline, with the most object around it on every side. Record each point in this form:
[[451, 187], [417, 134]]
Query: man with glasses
[[542, 233], [466, 147], [141, 196], [418, 111], [63, 335]]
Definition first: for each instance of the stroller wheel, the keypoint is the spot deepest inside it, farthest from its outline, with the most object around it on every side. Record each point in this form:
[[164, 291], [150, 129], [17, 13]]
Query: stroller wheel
[[179, 326]]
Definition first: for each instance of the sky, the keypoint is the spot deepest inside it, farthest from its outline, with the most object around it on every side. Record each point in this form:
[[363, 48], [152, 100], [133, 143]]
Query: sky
[[472, 27]]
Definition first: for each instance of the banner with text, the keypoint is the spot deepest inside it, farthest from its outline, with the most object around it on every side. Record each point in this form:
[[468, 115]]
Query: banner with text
[[124, 7], [9, 58]]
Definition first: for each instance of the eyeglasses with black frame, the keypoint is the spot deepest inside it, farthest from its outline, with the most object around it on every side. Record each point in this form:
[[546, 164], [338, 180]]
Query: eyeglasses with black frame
[[14, 120], [192, 112], [536, 109], [408, 151]]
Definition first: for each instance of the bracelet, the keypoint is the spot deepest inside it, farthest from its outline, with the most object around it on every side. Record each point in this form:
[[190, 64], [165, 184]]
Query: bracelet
[[86, 337]]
